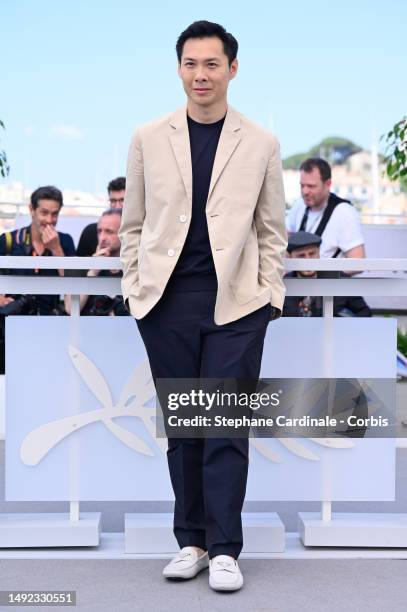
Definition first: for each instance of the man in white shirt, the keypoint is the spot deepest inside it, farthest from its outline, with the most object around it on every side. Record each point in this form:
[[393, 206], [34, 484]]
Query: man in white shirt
[[325, 214]]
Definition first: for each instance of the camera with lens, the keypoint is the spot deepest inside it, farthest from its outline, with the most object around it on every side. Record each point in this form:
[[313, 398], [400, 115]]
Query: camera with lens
[[104, 305], [22, 303]]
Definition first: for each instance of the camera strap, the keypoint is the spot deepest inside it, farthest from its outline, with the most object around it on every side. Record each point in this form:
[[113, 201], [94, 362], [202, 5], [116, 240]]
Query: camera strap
[[333, 202], [9, 242]]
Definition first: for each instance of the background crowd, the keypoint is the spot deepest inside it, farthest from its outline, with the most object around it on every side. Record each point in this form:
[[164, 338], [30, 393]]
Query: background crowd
[[320, 224]]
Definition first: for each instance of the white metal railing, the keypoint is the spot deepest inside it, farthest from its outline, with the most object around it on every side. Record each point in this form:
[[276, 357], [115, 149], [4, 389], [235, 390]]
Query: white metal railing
[[327, 288], [107, 263]]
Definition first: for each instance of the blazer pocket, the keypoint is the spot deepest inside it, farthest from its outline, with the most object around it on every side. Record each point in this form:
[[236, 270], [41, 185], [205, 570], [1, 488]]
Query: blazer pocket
[[243, 294], [241, 297]]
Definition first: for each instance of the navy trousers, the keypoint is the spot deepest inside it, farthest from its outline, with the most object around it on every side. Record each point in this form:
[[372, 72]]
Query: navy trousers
[[208, 475]]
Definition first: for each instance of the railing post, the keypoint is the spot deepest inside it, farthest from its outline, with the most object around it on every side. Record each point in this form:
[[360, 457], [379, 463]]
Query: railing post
[[328, 312], [75, 313], [328, 306], [75, 306]]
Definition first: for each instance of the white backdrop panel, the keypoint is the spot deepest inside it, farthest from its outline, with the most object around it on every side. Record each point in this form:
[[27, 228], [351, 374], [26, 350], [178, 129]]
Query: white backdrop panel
[[47, 386]]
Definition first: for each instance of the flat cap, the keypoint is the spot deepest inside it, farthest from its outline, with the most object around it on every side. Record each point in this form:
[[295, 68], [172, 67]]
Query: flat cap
[[297, 240]]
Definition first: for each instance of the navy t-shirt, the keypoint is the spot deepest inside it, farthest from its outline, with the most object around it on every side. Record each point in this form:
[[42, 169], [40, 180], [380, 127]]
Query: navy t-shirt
[[21, 245], [195, 269]]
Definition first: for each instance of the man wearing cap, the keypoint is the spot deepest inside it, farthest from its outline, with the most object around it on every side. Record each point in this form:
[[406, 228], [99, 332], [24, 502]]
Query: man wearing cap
[[305, 245]]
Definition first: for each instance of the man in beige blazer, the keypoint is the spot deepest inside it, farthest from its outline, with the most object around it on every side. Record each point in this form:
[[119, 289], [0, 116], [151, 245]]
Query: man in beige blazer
[[203, 237]]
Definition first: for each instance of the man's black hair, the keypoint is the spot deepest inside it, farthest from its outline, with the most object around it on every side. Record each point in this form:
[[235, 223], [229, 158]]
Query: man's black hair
[[117, 184], [46, 193], [205, 29], [317, 162]]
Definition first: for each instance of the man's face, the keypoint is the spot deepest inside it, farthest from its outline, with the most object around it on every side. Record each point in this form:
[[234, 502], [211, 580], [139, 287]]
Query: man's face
[[116, 198], [314, 190], [308, 252], [108, 234], [205, 71], [45, 214]]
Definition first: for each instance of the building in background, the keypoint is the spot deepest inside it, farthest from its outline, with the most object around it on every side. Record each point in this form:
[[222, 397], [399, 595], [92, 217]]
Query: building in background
[[357, 175]]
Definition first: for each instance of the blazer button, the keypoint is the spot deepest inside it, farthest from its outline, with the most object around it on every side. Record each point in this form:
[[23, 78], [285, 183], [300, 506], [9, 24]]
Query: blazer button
[[182, 218], [171, 252]]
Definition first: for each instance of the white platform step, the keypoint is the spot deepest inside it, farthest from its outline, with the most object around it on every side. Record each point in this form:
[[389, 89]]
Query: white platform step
[[263, 532], [49, 529], [373, 530], [111, 546], [151, 533]]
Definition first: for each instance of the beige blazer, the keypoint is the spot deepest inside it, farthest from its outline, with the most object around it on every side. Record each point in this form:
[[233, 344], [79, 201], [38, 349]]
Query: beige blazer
[[245, 212]]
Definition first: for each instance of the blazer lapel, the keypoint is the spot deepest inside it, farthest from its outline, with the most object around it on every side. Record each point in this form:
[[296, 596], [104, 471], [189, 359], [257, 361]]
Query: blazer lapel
[[182, 148], [228, 141]]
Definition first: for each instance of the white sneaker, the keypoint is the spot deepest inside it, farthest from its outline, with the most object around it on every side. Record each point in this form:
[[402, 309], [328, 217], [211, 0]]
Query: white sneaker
[[224, 574], [187, 563]]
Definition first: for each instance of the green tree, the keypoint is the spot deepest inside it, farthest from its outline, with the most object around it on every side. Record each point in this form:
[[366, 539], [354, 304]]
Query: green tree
[[4, 167], [334, 149], [396, 153]]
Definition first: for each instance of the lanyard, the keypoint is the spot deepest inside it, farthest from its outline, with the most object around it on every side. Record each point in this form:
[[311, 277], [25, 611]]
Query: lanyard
[[26, 239]]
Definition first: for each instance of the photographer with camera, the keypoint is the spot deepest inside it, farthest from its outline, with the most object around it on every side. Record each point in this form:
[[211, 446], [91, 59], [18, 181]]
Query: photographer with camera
[[108, 246], [40, 238], [306, 245]]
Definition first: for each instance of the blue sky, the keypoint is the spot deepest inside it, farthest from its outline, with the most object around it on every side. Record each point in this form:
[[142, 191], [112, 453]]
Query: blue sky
[[77, 77]]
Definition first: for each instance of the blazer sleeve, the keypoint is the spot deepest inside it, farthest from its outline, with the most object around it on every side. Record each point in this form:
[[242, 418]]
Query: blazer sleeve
[[269, 218], [132, 216]]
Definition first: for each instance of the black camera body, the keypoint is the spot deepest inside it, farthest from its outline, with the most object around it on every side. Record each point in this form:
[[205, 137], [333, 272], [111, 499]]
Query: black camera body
[[104, 305], [20, 303]]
